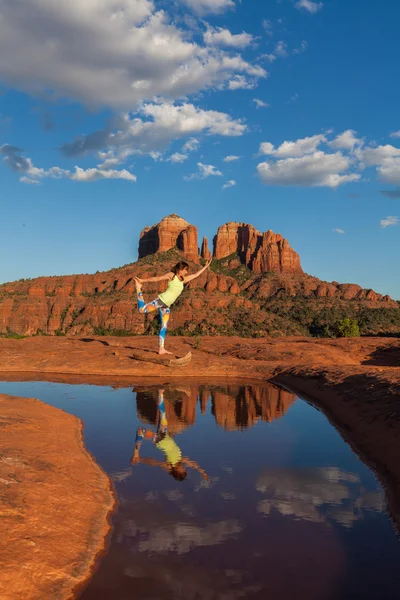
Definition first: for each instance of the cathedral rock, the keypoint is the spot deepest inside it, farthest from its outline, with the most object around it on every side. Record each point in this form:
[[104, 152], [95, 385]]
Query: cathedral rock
[[170, 232], [260, 252]]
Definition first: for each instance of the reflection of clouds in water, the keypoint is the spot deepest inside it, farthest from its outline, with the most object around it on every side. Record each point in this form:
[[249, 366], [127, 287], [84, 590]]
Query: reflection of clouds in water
[[317, 495], [178, 537], [206, 484], [228, 496], [122, 475], [173, 495]]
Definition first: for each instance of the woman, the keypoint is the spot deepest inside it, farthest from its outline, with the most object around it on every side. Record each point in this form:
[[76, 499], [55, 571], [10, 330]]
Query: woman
[[176, 278]]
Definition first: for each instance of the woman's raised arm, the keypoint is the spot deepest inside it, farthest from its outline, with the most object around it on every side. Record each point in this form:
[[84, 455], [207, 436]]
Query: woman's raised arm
[[195, 275], [168, 276]]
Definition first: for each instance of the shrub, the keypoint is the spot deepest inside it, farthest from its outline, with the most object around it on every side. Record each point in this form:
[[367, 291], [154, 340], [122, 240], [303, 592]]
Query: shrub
[[347, 328]]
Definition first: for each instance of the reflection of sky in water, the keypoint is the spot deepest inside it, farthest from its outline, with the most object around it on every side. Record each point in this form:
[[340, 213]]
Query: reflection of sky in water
[[318, 495], [289, 508]]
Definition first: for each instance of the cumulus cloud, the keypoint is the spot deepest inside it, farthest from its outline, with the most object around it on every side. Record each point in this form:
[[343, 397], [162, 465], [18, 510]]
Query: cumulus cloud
[[309, 5], [203, 172], [260, 103], [202, 7], [299, 147], [337, 230], [223, 37], [312, 170], [229, 184], [346, 140], [239, 82], [379, 155], [389, 171], [117, 53], [395, 134], [231, 158], [177, 157], [388, 221], [152, 129], [191, 145], [33, 175]]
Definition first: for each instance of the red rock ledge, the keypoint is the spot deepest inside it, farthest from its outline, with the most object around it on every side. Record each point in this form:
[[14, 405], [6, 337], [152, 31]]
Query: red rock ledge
[[55, 502]]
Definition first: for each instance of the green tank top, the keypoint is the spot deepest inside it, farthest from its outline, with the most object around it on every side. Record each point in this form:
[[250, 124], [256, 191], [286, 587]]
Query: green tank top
[[171, 450], [173, 291]]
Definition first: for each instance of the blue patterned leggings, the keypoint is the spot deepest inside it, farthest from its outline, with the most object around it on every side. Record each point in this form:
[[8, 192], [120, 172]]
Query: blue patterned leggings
[[163, 311]]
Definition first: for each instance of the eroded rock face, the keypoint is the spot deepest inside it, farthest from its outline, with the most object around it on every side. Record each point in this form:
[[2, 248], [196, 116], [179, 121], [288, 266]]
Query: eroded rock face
[[205, 252], [260, 252], [102, 302], [170, 232]]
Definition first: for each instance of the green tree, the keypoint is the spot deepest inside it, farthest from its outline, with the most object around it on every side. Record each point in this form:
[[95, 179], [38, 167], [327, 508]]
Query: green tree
[[348, 328]]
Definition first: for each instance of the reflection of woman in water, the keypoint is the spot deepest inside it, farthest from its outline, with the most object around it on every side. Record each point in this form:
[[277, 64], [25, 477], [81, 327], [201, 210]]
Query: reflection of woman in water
[[174, 463]]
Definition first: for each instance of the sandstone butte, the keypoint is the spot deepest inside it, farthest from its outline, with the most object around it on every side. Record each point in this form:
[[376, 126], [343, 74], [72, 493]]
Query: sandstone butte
[[249, 268], [55, 503]]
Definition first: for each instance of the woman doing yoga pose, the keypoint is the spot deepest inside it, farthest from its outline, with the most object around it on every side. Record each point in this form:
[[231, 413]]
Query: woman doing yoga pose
[[176, 278]]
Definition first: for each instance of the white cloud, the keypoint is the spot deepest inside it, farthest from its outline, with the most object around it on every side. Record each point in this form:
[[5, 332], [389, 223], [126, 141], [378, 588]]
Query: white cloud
[[229, 184], [312, 170], [191, 145], [177, 157], [267, 25], [279, 52], [389, 171], [337, 230], [239, 82], [109, 52], [29, 181], [152, 129], [203, 172], [379, 155], [300, 147], [395, 134], [223, 37], [231, 158], [302, 48], [260, 103], [34, 175], [389, 221], [346, 140], [209, 6], [309, 5]]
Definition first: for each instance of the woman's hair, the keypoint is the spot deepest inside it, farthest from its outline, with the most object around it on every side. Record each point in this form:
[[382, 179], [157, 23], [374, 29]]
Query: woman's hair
[[178, 472], [179, 267]]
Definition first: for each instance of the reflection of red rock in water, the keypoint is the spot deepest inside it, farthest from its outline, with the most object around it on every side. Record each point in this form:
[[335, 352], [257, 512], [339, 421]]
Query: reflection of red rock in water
[[234, 407], [242, 406], [180, 407]]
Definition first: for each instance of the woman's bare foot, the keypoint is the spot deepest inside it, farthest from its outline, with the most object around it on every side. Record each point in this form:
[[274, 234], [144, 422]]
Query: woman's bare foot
[[163, 351], [138, 284]]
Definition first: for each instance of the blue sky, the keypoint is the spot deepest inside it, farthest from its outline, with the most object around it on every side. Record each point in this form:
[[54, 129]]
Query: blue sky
[[283, 114]]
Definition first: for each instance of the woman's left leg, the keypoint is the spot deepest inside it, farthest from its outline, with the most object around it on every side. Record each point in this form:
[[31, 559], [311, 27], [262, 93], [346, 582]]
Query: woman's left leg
[[164, 318]]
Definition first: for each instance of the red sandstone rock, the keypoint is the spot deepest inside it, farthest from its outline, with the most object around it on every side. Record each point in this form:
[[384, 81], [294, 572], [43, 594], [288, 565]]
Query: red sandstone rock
[[171, 232], [205, 252], [260, 252]]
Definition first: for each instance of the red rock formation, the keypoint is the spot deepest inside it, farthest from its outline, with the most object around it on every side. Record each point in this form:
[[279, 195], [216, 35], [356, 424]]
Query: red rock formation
[[260, 252], [87, 304], [205, 252], [171, 232]]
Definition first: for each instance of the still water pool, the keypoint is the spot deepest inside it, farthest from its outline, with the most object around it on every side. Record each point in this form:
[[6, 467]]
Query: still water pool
[[275, 504]]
